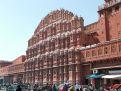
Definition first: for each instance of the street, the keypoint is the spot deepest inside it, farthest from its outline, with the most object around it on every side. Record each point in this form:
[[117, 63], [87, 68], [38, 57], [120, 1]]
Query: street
[[3, 90]]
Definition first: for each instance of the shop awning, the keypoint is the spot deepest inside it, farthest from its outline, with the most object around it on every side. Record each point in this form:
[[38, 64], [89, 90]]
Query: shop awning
[[111, 76], [94, 76]]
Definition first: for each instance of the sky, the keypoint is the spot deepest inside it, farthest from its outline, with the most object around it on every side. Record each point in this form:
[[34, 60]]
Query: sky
[[19, 19]]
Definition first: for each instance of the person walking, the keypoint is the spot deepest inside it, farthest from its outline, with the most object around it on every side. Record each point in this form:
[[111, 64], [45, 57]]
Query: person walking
[[65, 88], [81, 89], [91, 88], [54, 88], [18, 88]]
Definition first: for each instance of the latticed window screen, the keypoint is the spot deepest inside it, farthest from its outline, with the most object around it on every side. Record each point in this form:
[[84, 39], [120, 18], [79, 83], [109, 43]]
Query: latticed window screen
[[87, 53], [100, 51], [113, 48], [119, 47], [70, 68], [78, 36], [105, 50], [93, 52], [44, 74], [54, 73]]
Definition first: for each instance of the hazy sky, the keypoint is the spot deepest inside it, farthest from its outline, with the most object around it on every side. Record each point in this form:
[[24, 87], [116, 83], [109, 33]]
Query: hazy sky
[[19, 18]]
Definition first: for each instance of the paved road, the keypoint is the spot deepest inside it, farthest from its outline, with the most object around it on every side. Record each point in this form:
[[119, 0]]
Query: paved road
[[2, 90]]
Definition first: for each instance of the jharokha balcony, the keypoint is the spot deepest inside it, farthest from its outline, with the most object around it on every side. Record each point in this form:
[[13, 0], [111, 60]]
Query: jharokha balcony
[[109, 4], [99, 52]]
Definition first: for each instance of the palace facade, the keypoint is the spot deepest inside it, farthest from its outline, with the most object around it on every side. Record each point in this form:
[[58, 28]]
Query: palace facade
[[63, 50], [53, 54]]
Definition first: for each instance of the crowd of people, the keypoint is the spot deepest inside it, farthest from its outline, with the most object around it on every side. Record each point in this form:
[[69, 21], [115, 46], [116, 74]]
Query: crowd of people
[[63, 87]]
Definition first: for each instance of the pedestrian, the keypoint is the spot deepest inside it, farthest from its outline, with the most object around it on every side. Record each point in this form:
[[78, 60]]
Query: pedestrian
[[77, 89], [81, 89], [35, 87], [54, 88], [72, 88], [65, 88], [18, 88], [101, 88], [91, 88]]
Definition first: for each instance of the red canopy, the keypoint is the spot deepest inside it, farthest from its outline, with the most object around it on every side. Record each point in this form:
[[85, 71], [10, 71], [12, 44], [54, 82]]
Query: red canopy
[[116, 85]]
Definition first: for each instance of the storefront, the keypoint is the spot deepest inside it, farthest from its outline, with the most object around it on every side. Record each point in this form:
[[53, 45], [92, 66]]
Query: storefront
[[96, 79], [113, 77], [107, 76]]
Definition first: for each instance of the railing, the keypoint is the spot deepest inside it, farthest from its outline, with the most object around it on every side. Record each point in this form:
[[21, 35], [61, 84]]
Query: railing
[[102, 52], [106, 5]]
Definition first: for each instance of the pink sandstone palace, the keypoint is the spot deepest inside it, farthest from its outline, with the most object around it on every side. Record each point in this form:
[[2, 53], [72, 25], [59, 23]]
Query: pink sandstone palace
[[63, 50]]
